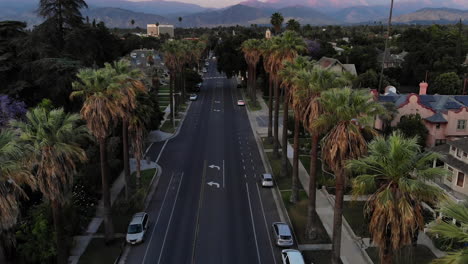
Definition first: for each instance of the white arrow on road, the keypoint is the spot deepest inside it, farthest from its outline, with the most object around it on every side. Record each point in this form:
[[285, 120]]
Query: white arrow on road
[[214, 166], [213, 183], [217, 102], [217, 110]]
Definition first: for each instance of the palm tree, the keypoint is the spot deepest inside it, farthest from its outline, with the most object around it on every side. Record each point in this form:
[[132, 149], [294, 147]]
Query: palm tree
[[285, 48], [173, 53], [132, 22], [309, 84], [397, 172], [266, 50], [289, 75], [51, 140], [127, 78], [277, 20], [101, 109], [347, 114], [252, 53], [450, 231], [389, 27], [13, 174]]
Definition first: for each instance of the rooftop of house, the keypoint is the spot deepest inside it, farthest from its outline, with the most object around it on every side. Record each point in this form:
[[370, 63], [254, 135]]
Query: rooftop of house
[[327, 63]]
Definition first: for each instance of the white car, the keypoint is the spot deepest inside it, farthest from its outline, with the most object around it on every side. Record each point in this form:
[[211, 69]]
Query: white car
[[282, 234], [137, 228], [207, 64], [204, 70], [292, 256], [193, 97], [240, 102], [267, 180]]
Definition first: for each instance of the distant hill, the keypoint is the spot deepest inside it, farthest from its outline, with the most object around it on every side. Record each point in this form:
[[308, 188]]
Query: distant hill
[[120, 18], [158, 7], [305, 15], [357, 14], [434, 15]]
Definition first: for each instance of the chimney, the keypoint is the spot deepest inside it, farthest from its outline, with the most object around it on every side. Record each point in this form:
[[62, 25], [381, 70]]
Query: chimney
[[423, 88]]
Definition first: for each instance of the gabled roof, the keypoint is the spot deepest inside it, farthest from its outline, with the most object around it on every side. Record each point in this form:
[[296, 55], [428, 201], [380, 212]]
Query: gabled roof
[[326, 63], [436, 118], [437, 103]]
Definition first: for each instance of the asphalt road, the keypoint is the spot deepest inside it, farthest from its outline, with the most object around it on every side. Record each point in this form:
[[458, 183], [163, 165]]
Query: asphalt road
[[209, 207]]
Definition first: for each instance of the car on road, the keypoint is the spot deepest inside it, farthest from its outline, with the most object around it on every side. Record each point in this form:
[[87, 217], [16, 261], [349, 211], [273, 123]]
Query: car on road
[[207, 64], [193, 97], [240, 102], [267, 180], [204, 70], [137, 228], [282, 234], [292, 256]]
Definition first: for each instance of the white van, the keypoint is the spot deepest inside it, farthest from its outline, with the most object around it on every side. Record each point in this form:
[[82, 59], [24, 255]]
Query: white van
[[137, 228]]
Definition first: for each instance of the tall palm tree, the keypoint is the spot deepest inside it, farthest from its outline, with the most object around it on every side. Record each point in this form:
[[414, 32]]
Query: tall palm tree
[[347, 114], [101, 110], [277, 20], [128, 80], [266, 51], [285, 48], [289, 75], [397, 172], [252, 53], [309, 84], [172, 51], [389, 27], [51, 139], [450, 231], [13, 174]]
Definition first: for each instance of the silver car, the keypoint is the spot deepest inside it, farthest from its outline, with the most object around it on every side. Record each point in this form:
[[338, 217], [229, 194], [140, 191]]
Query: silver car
[[282, 234], [267, 180]]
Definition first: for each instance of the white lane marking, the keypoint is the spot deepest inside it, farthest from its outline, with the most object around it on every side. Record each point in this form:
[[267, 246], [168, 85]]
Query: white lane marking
[[170, 218], [244, 167], [250, 154], [242, 160], [242, 154], [223, 175], [245, 176], [159, 156], [157, 219], [253, 168], [253, 224], [266, 224], [251, 160]]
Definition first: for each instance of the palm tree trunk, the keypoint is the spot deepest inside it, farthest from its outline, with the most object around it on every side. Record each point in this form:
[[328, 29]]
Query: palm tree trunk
[[284, 139], [295, 176], [311, 214], [126, 157], [270, 109], [138, 171], [183, 86], [338, 217], [171, 95], [59, 233], [254, 84], [386, 47], [108, 226], [276, 122]]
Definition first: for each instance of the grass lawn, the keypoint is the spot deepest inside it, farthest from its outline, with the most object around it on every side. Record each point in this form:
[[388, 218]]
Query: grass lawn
[[99, 253], [167, 126], [283, 183], [266, 144], [317, 256], [408, 255], [298, 215], [253, 107], [354, 214]]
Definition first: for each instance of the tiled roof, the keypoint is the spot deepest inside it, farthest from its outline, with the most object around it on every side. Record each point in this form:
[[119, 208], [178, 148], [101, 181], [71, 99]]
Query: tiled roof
[[437, 118], [438, 103]]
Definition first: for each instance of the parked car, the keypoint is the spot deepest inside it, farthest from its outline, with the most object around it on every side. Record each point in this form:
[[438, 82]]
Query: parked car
[[193, 97], [204, 70], [207, 64], [240, 102], [282, 234], [292, 256], [137, 228], [267, 180]]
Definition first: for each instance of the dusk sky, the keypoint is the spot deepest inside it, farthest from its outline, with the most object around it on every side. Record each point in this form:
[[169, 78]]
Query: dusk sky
[[337, 3]]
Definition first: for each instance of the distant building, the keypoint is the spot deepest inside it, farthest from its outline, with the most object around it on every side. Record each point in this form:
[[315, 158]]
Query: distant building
[[154, 30], [392, 60], [335, 65], [268, 34]]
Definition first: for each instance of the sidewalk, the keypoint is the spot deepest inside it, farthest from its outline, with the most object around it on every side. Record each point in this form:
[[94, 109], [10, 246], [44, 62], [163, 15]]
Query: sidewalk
[[81, 242], [350, 251]]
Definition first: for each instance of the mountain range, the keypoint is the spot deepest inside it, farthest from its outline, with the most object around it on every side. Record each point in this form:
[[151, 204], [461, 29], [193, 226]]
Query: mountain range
[[119, 13]]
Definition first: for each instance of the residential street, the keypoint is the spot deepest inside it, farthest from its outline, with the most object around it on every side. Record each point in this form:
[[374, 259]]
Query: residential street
[[209, 206]]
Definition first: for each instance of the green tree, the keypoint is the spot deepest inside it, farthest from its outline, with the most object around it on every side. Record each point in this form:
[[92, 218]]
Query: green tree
[[266, 51], [413, 125], [447, 83], [293, 25], [51, 139], [101, 109], [63, 15], [347, 115], [277, 21], [453, 232], [397, 172]]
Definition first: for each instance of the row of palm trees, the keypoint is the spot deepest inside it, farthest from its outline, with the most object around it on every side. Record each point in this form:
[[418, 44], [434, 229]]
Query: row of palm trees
[[395, 170], [44, 150]]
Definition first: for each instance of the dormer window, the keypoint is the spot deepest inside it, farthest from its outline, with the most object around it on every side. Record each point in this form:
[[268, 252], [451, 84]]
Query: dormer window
[[459, 153]]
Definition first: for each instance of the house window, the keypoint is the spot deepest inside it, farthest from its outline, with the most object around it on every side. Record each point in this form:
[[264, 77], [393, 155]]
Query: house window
[[460, 179], [437, 126], [461, 124], [453, 148], [459, 153], [440, 141], [450, 175]]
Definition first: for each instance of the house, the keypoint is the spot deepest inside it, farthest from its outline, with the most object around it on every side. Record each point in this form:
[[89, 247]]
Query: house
[[338, 50], [455, 160], [392, 60], [335, 65], [445, 116]]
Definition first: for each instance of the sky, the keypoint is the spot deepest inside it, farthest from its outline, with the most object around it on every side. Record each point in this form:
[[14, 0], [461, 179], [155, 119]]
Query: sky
[[336, 3]]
